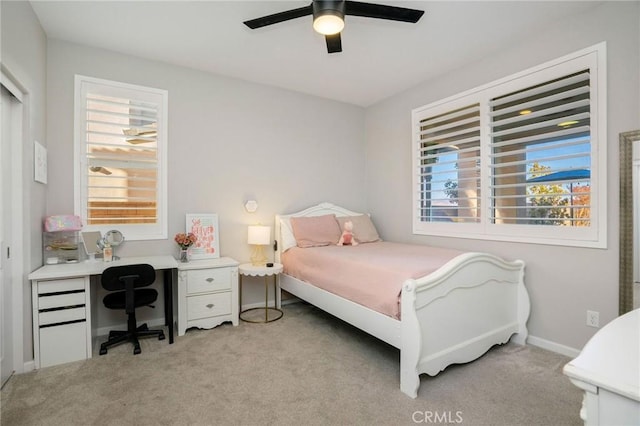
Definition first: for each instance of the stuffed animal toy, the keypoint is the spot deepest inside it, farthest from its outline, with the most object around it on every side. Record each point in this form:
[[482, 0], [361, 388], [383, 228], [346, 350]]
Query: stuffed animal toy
[[347, 237]]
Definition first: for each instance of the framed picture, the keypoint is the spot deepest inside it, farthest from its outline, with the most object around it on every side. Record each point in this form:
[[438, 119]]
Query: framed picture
[[205, 228]]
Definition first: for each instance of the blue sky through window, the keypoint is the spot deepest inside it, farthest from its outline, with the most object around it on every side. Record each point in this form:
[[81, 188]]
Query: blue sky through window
[[576, 156]]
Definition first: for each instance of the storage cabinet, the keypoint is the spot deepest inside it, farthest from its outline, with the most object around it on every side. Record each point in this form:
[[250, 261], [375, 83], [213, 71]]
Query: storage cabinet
[[60, 247], [61, 321], [207, 293]]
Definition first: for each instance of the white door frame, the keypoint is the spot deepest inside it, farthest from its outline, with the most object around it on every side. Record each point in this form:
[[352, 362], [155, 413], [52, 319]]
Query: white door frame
[[20, 234]]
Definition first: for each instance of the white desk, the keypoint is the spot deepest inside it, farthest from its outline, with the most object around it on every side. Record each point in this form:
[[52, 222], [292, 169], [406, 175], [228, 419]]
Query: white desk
[[608, 370], [68, 305]]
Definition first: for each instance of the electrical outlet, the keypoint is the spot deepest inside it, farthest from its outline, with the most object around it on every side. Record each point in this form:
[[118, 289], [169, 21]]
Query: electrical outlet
[[593, 319]]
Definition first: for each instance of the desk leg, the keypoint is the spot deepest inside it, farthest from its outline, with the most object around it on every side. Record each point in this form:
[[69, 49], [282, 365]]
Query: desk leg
[[168, 301]]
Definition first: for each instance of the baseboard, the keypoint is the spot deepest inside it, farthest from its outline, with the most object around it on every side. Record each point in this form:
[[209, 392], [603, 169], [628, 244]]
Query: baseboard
[[553, 346], [284, 302], [29, 366], [248, 306], [290, 301]]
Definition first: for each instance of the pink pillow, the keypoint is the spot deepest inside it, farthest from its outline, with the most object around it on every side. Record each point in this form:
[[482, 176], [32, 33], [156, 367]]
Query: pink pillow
[[364, 230], [315, 231]]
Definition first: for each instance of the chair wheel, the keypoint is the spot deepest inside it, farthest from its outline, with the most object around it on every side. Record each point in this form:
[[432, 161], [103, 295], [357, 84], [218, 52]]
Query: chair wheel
[[161, 336], [136, 350], [103, 351]]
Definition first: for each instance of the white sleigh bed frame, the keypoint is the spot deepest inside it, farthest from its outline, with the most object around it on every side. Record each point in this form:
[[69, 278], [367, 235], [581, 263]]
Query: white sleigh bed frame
[[453, 315]]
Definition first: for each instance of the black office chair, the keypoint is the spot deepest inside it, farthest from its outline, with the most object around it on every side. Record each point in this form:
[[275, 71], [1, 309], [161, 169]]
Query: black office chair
[[124, 282]]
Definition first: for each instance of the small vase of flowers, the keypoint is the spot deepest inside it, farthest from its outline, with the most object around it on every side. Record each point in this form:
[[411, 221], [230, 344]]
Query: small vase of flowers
[[184, 242]]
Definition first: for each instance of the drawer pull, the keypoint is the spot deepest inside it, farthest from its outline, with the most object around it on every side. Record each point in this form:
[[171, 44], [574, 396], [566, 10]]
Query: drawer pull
[[209, 280], [210, 305]]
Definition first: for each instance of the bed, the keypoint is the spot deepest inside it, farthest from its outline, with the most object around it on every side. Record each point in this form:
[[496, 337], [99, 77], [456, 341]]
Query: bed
[[452, 315]]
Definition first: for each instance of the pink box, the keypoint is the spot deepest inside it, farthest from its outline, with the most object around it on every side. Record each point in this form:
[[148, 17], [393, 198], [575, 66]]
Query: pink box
[[63, 222]]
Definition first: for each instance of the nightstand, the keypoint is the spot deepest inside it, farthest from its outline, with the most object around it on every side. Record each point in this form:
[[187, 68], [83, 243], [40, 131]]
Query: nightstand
[[270, 314], [207, 293]]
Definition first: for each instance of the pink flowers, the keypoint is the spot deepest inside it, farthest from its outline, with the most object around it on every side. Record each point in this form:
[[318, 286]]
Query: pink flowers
[[185, 240]]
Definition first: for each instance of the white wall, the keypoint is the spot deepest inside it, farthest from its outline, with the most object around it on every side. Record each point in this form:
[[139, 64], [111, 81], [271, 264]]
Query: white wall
[[563, 282], [229, 141], [24, 58]]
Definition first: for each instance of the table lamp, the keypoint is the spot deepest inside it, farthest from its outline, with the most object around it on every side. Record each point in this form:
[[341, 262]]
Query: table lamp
[[259, 236]]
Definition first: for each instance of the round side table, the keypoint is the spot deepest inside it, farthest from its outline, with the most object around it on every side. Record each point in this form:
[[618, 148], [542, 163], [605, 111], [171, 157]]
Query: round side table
[[270, 314]]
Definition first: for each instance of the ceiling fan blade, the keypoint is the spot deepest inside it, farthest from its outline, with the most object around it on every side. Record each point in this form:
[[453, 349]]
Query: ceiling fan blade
[[380, 11], [100, 169], [279, 17], [334, 43]]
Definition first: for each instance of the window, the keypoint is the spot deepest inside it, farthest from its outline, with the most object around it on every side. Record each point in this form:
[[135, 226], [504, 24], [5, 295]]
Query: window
[[449, 165], [520, 159], [120, 163]]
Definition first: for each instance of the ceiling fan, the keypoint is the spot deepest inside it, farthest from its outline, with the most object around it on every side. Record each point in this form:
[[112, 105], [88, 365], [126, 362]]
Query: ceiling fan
[[100, 169], [328, 17]]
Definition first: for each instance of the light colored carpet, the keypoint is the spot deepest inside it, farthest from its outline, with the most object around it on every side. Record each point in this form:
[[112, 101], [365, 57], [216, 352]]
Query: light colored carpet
[[306, 369]]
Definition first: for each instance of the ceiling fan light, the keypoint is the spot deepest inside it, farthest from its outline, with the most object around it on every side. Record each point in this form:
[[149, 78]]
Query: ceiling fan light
[[328, 24]]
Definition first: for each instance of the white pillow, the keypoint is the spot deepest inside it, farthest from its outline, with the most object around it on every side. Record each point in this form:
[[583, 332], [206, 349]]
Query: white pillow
[[288, 240]]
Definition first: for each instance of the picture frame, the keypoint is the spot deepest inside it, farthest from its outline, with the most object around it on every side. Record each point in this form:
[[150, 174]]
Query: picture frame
[[205, 228]]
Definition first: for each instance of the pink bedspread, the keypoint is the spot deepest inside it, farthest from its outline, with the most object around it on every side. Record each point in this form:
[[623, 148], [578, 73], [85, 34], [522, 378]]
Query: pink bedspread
[[369, 274]]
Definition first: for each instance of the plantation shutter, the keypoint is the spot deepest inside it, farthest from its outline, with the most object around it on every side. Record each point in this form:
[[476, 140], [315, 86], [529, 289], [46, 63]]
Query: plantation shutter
[[449, 166], [540, 169], [121, 132], [520, 159], [122, 160]]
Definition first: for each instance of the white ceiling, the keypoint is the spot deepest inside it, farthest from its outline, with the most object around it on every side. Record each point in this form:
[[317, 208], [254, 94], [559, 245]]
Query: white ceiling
[[379, 58]]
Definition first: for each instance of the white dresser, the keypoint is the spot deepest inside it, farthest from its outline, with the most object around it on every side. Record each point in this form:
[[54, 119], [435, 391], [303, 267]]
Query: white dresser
[[207, 293], [608, 370]]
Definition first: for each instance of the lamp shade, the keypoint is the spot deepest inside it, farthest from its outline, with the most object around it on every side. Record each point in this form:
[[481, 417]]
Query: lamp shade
[[259, 235]]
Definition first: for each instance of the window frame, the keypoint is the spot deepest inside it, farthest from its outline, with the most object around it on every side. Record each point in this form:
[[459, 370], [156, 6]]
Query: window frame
[[132, 232], [594, 236]]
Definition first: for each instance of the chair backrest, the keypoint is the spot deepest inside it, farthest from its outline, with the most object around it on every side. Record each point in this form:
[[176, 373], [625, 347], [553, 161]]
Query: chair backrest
[[114, 278]]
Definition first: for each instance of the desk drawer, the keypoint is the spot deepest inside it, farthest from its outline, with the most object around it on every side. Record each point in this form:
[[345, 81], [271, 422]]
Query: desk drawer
[[57, 286], [62, 315], [61, 300], [206, 280], [63, 343], [208, 305]]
